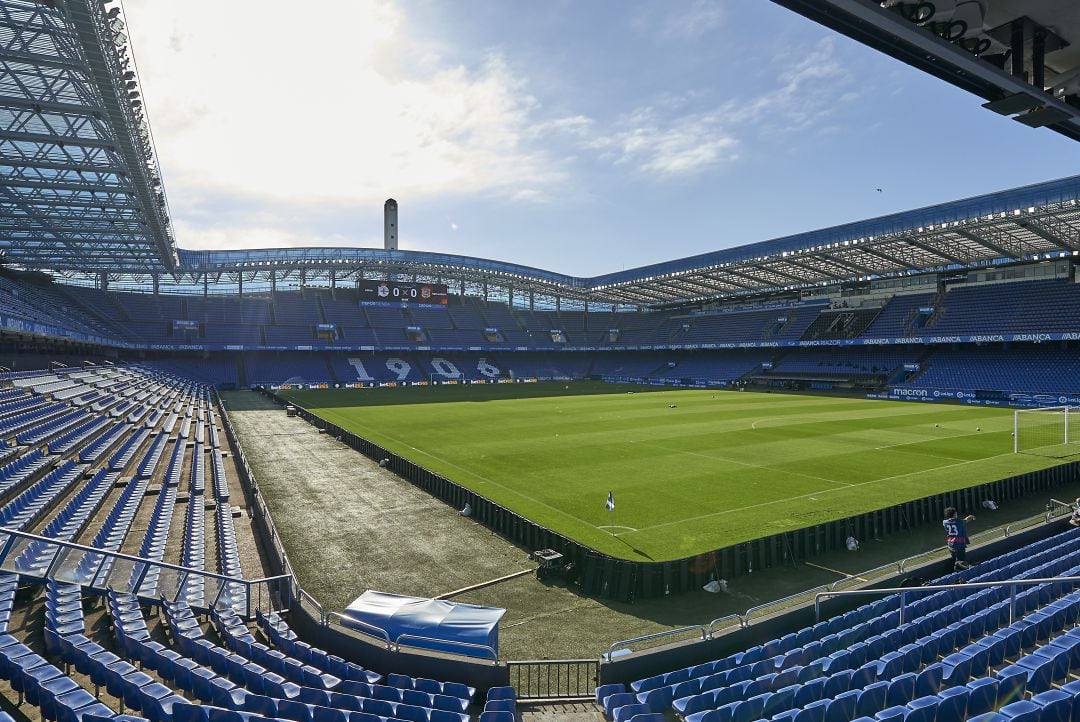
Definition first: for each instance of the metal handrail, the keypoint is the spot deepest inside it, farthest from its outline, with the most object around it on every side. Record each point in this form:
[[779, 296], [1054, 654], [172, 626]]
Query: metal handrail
[[304, 594], [129, 557], [710, 630], [468, 645], [375, 631], [903, 591], [657, 635], [778, 603]]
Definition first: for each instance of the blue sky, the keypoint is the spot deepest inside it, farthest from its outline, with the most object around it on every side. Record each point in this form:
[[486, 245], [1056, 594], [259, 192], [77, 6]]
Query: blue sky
[[581, 137]]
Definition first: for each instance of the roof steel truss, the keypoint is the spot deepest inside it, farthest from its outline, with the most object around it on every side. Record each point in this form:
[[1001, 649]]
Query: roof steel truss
[[76, 163]]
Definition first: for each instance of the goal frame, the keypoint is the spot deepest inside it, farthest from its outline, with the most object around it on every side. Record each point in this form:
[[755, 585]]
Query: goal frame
[[1067, 411]]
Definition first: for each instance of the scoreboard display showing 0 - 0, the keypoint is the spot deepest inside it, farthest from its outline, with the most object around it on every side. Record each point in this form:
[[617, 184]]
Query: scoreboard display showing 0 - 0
[[402, 292]]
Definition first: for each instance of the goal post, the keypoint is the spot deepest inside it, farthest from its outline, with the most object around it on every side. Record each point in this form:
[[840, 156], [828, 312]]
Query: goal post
[[1050, 431]]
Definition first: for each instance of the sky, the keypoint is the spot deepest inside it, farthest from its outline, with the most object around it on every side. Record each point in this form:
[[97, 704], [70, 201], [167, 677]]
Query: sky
[[579, 136]]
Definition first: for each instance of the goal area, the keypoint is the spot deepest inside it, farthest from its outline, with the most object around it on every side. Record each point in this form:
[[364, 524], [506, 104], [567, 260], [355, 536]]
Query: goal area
[[1053, 431]]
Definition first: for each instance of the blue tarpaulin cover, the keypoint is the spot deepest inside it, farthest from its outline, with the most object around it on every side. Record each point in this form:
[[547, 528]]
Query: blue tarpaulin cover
[[448, 626]]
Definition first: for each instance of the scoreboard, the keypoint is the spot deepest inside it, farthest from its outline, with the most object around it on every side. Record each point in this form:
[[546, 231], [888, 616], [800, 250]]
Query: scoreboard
[[402, 292]]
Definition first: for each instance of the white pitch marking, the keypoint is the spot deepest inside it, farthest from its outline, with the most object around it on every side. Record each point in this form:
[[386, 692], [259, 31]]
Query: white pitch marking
[[745, 463], [810, 496], [924, 441]]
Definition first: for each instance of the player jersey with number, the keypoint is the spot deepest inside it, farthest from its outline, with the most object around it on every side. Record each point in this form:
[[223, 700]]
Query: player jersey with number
[[955, 531]]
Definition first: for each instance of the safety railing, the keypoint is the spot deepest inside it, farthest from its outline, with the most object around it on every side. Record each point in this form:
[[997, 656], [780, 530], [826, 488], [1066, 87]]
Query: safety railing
[[904, 592], [699, 631], [554, 679], [430, 644], [364, 628], [866, 577], [779, 606], [412, 641], [723, 625], [102, 570], [1056, 508]]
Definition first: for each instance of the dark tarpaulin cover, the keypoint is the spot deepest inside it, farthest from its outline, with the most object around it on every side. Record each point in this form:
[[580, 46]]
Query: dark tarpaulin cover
[[453, 625]]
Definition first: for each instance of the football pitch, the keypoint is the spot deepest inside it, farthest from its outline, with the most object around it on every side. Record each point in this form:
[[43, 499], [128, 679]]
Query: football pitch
[[689, 470]]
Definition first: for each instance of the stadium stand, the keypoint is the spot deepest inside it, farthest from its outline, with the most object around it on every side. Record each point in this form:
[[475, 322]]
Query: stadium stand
[[412, 339], [75, 493], [956, 655]]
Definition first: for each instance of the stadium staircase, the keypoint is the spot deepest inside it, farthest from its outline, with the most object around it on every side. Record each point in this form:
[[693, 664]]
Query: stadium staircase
[[939, 311], [841, 324]]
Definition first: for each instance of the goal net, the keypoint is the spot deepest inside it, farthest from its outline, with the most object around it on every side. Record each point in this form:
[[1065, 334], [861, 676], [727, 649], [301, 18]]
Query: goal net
[[1053, 431]]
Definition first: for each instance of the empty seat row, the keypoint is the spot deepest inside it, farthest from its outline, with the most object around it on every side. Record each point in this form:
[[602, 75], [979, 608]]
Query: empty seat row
[[153, 544], [283, 638], [25, 508], [78, 436], [47, 429], [93, 568], [91, 453], [38, 556], [123, 456], [148, 464], [228, 554], [22, 469], [239, 640]]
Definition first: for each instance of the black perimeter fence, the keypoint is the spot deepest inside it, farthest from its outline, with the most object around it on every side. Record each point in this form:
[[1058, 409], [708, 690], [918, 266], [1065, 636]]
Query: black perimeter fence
[[604, 576]]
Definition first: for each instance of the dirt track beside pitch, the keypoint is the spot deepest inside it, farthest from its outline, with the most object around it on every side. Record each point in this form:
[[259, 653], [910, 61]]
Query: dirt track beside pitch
[[348, 525]]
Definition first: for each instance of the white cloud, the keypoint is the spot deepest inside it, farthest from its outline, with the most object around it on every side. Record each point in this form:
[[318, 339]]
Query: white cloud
[[680, 146], [257, 234], [810, 88], [320, 110], [697, 18], [678, 21], [807, 90]]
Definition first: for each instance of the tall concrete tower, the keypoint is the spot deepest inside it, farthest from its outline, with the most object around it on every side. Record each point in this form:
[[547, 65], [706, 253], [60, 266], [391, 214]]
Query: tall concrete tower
[[390, 226]]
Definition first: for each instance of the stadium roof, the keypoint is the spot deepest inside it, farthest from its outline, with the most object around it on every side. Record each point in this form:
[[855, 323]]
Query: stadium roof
[[79, 181], [1032, 223], [80, 193], [1021, 56]]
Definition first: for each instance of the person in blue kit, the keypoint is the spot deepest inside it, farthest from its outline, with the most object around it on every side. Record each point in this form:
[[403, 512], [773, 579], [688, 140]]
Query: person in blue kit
[[956, 538]]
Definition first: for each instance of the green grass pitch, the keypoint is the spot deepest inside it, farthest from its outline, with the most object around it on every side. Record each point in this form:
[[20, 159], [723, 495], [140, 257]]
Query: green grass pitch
[[691, 470]]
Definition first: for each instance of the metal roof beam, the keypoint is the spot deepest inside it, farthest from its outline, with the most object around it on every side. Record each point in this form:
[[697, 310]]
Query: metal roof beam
[[802, 263], [75, 187], [728, 287], [37, 105], [702, 288], [35, 163], [936, 251], [876, 251], [986, 243], [1061, 234], [88, 26], [123, 209], [771, 268], [60, 140], [39, 59], [844, 262], [714, 276], [85, 232], [759, 283]]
